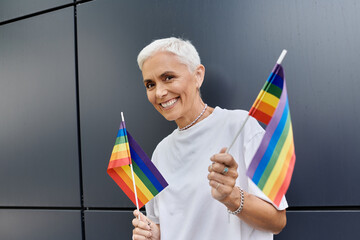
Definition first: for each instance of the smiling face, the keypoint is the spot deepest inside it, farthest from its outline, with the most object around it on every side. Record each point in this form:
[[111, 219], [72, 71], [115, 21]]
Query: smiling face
[[172, 89]]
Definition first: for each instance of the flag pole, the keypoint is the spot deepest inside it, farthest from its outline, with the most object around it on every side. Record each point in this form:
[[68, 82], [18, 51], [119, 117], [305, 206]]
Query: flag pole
[[282, 56], [133, 178], [279, 61], [237, 134]]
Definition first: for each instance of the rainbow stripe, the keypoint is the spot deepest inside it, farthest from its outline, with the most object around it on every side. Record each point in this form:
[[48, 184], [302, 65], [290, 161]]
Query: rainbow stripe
[[273, 163], [269, 96], [148, 180], [121, 152]]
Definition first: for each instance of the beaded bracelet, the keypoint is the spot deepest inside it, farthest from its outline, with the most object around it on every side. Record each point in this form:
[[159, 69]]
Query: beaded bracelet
[[241, 203]]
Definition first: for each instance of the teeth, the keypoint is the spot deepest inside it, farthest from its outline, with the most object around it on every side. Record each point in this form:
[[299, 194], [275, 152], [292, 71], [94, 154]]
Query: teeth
[[168, 103]]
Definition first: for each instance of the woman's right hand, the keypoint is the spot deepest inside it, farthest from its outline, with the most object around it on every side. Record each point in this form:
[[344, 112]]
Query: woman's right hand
[[144, 228]]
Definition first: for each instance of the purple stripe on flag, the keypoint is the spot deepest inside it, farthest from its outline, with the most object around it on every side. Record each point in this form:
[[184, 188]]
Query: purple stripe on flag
[[147, 161], [122, 125], [270, 129], [278, 70]]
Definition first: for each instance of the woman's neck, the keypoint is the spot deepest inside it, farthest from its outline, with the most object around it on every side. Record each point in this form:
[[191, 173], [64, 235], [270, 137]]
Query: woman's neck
[[202, 112]]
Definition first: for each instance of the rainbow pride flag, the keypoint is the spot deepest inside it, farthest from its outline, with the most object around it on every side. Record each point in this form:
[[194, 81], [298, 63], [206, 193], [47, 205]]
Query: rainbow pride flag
[[272, 165], [148, 180]]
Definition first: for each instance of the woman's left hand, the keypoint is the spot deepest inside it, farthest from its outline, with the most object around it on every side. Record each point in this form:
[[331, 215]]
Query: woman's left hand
[[222, 175], [256, 212]]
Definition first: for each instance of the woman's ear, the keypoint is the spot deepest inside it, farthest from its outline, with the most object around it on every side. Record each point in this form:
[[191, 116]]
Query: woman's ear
[[199, 75]]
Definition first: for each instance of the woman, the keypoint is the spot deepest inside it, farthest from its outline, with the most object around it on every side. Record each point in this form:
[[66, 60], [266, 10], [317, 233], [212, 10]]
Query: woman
[[209, 195]]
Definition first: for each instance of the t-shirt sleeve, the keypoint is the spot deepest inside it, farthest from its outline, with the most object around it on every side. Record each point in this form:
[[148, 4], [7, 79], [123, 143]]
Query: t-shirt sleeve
[[152, 211], [256, 133]]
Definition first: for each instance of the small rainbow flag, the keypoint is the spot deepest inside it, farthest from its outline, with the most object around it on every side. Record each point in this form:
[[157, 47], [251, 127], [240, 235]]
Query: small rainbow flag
[[148, 180], [272, 165]]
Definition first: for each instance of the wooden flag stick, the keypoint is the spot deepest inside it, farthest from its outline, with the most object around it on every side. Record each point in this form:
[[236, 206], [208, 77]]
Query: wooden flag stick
[[279, 61], [132, 174]]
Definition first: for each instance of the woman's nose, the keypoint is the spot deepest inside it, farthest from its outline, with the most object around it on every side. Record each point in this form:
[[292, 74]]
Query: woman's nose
[[161, 91]]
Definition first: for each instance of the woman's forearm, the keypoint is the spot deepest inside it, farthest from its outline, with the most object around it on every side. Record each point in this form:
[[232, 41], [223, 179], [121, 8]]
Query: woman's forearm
[[257, 212]]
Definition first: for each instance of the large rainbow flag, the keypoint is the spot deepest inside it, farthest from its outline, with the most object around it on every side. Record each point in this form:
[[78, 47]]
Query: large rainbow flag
[[148, 180], [272, 165]]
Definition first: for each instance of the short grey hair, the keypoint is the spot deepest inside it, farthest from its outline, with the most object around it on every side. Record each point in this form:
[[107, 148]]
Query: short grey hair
[[183, 49]]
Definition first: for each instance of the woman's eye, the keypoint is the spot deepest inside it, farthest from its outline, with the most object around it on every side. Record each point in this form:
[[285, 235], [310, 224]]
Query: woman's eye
[[149, 85], [169, 78]]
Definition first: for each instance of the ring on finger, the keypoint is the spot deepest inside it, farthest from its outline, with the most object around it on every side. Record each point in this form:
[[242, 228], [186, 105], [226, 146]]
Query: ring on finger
[[226, 169], [217, 186]]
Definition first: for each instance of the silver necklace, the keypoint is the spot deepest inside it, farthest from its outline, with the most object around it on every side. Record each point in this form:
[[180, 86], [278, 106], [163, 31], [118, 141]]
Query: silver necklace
[[192, 123]]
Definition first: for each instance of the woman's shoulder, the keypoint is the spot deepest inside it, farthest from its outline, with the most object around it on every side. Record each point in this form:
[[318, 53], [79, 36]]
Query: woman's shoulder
[[164, 142], [236, 114], [235, 118]]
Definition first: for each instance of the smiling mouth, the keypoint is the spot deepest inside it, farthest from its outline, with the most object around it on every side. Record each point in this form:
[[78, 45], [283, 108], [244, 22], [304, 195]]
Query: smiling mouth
[[169, 103]]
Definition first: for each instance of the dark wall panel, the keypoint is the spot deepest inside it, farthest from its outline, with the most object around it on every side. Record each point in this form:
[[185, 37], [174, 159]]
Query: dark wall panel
[[313, 225], [10, 9], [110, 82], [39, 152], [40, 225], [239, 43], [322, 77], [108, 225]]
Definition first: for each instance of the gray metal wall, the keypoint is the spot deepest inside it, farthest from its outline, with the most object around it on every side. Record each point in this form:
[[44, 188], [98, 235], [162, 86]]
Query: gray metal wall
[[67, 70]]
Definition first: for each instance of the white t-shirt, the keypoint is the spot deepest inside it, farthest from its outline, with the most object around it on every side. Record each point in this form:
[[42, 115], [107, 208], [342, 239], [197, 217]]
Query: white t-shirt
[[185, 209]]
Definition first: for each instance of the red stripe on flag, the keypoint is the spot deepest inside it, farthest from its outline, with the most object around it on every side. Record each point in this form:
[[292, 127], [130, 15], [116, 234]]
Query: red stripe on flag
[[119, 162], [120, 182], [260, 116]]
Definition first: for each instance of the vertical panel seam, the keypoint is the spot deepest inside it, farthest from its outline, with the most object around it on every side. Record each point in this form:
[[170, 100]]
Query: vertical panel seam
[[77, 90]]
